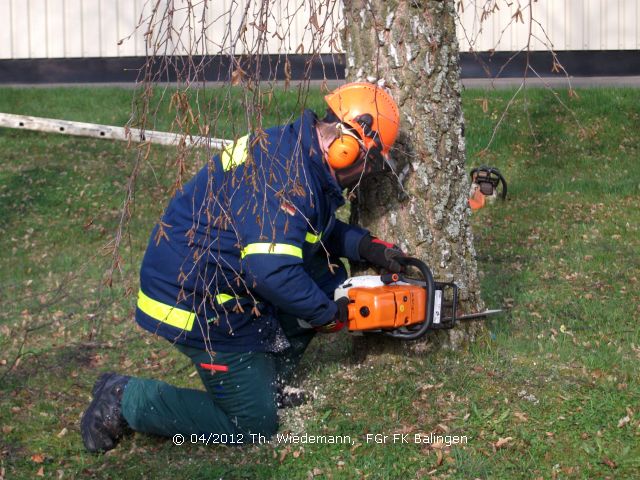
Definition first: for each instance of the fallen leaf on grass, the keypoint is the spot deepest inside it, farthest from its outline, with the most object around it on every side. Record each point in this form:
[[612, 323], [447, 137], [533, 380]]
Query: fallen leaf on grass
[[442, 428], [609, 463], [521, 416], [502, 442], [6, 429], [37, 458], [62, 432], [437, 445], [623, 421], [283, 454], [40, 472]]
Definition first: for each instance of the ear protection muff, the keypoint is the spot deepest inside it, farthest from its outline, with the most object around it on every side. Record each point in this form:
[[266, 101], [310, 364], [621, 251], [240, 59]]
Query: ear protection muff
[[343, 151]]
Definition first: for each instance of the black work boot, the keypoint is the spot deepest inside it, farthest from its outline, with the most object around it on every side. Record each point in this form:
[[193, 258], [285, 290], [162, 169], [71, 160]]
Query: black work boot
[[102, 423]]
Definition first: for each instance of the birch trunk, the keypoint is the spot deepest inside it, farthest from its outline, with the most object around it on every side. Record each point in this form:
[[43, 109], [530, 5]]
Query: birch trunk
[[411, 48]]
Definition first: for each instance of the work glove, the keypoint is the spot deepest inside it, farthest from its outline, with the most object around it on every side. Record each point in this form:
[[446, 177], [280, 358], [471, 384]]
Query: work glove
[[340, 320], [380, 253]]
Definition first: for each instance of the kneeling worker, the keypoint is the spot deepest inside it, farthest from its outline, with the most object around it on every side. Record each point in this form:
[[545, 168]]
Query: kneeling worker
[[239, 274]]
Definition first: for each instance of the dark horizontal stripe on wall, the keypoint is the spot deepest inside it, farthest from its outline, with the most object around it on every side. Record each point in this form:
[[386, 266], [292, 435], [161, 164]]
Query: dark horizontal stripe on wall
[[219, 68], [577, 63], [131, 69]]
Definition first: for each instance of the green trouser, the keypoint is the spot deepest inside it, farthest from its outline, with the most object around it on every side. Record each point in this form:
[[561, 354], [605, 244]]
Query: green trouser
[[240, 401]]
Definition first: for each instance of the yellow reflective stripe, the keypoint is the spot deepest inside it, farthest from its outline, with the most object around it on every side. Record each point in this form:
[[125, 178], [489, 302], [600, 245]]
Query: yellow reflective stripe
[[274, 248], [311, 238], [223, 297], [234, 155], [164, 313]]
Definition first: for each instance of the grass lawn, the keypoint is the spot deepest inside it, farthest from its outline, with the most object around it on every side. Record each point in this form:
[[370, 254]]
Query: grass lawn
[[551, 392]]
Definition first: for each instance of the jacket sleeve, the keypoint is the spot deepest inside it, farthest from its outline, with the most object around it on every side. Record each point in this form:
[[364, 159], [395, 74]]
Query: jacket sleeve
[[271, 245], [345, 239]]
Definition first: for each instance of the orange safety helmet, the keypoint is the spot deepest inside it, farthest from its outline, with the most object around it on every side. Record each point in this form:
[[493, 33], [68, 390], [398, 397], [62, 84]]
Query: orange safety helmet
[[370, 111]]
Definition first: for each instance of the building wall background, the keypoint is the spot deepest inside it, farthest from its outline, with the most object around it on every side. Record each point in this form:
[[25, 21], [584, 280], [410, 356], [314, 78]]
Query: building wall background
[[32, 29]]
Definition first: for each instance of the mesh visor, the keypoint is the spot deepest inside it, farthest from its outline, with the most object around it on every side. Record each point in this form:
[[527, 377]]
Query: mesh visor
[[374, 162]]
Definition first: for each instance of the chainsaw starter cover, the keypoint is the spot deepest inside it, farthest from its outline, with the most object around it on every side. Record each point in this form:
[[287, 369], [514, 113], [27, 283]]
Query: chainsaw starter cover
[[386, 307]]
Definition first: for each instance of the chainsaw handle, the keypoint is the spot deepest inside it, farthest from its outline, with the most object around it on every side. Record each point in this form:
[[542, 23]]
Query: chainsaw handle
[[492, 173], [503, 194], [430, 286]]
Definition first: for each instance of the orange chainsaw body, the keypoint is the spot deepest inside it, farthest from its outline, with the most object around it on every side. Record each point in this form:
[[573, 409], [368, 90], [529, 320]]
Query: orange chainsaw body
[[386, 307]]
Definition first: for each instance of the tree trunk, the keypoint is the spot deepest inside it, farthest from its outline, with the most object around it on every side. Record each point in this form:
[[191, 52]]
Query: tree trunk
[[411, 48]]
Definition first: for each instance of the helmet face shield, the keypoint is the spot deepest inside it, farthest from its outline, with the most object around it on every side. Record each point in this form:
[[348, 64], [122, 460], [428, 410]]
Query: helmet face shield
[[371, 162]]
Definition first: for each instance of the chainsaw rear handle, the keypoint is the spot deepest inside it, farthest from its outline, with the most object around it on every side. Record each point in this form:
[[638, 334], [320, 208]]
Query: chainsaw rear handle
[[493, 176], [407, 334]]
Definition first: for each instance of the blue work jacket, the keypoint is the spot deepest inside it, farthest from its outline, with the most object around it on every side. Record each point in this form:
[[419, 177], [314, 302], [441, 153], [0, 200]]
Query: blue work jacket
[[235, 245]]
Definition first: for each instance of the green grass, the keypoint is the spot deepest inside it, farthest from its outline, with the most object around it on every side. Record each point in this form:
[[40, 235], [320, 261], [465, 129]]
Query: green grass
[[557, 375]]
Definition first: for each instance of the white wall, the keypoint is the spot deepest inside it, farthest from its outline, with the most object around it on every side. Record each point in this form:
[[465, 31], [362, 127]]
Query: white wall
[[564, 24], [94, 28]]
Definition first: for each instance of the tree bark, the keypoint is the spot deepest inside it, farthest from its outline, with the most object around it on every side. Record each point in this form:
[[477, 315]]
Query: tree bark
[[411, 48]]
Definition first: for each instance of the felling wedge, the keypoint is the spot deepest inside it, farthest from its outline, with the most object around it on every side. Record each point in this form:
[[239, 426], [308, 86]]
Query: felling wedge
[[401, 307]]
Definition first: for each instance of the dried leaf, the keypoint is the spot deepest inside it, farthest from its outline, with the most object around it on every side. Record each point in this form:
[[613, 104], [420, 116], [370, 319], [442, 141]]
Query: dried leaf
[[521, 416], [238, 76], [40, 472], [37, 458], [623, 421], [442, 428], [609, 463], [283, 455], [502, 442], [62, 432], [314, 21]]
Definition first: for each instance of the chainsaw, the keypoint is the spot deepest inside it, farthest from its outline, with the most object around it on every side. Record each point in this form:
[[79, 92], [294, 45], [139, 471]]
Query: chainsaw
[[485, 182], [401, 307]]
